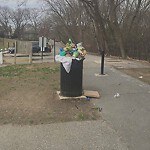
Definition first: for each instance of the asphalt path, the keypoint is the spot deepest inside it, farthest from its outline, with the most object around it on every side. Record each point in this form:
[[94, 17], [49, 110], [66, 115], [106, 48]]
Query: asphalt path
[[125, 101]]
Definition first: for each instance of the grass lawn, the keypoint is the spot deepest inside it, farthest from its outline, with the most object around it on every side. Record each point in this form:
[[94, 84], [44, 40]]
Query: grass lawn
[[28, 96]]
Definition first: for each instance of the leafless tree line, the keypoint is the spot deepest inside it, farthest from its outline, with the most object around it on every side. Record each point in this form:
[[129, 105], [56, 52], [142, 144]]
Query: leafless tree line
[[118, 27], [22, 23]]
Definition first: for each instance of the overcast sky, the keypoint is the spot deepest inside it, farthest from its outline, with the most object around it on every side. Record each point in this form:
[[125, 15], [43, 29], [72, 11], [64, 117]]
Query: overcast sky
[[15, 3]]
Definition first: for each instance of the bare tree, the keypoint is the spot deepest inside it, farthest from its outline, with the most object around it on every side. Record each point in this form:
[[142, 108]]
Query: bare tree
[[114, 23], [21, 3], [93, 10], [120, 27], [20, 18], [35, 18], [69, 17], [5, 21]]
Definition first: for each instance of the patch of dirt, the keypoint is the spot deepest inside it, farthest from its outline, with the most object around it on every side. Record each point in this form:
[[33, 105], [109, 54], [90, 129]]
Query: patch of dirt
[[142, 74], [136, 68], [28, 96]]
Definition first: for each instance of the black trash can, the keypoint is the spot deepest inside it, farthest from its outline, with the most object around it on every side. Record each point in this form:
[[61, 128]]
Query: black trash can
[[71, 83]]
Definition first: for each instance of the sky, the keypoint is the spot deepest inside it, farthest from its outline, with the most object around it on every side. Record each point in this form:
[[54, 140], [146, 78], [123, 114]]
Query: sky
[[15, 3]]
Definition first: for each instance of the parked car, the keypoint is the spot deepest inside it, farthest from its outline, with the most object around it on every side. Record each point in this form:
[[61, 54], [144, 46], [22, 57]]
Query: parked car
[[47, 50], [35, 47]]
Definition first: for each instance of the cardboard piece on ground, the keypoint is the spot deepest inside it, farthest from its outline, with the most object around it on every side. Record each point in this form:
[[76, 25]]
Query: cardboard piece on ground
[[93, 94], [69, 98]]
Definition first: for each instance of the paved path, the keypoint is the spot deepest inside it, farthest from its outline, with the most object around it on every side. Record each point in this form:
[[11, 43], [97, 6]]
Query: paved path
[[128, 114], [95, 135]]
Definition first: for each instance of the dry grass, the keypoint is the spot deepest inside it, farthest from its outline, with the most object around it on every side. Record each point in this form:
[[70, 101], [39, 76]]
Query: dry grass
[[28, 96]]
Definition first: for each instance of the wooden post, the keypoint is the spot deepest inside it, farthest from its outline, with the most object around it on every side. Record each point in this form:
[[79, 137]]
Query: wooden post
[[30, 55], [30, 58]]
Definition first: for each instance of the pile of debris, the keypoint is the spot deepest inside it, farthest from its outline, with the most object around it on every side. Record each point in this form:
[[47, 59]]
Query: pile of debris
[[69, 53], [77, 51]]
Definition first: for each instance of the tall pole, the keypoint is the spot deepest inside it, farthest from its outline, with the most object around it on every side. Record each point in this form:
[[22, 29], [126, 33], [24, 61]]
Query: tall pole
[[100, 51], [15, 51], [42, 46], [54, 50], [102, 62]]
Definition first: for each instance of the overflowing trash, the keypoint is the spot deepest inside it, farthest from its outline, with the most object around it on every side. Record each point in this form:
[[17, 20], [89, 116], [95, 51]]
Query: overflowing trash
[[73, 50], [69, 52]]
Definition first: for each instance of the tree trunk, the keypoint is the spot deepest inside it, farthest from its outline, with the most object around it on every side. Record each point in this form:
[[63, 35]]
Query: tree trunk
[[115, 27]]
